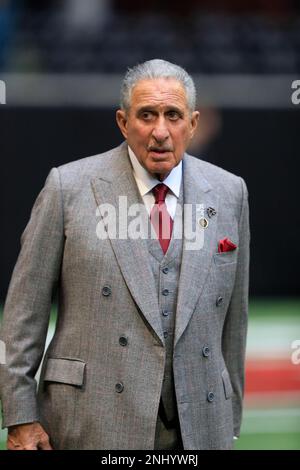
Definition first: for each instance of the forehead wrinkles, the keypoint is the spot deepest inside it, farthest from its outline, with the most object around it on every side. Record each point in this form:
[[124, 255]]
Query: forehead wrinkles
[[159, 100], [158, 92]]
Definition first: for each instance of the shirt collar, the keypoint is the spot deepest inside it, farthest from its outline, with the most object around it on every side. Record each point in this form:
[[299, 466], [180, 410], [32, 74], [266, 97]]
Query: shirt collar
[[146, 182]]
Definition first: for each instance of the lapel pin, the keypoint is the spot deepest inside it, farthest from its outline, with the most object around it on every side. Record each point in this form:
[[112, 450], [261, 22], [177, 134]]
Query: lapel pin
[[211, 211], [203, 222]]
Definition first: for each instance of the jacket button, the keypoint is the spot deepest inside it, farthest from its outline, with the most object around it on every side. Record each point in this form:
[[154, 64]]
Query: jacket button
[[165, 292], [165, 270], [205, 351], [123, 341], [166, 334], [210, 396], [119, 387], [106, 290], [219, 301]]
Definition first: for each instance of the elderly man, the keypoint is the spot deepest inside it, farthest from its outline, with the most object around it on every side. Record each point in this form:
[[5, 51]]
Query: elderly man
[[149, 346]]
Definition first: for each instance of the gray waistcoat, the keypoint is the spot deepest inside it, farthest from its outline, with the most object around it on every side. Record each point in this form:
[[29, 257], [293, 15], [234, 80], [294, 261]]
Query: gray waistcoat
[[166, 271]]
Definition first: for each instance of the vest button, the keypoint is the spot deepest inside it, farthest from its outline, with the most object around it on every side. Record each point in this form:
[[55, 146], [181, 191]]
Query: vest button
[[165, 270], [210, 396], [166, 334], [165, 292], [123, 341], [119, 387], [165, 312], [106, 290], [205, 351], [219, 301]]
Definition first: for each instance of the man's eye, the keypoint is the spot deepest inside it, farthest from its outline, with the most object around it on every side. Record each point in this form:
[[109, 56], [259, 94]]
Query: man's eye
[[146, 115], [173, 115]]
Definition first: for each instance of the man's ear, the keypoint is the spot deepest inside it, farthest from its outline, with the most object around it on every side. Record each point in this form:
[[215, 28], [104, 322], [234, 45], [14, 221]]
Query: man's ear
[[194, 122], [121, 118]]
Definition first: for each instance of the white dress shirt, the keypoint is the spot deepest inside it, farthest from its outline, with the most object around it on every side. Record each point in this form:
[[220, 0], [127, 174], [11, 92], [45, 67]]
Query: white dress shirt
[[146, 182]]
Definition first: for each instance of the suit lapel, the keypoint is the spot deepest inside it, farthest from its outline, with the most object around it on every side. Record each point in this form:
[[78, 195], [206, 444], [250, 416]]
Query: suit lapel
[[131, 254], [195, 263]]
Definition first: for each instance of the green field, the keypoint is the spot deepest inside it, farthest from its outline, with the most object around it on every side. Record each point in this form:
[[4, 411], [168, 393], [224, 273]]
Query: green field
[[273, 325]]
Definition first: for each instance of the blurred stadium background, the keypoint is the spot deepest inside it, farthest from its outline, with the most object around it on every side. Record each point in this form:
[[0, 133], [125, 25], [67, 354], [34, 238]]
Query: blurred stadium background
[[62, 62]]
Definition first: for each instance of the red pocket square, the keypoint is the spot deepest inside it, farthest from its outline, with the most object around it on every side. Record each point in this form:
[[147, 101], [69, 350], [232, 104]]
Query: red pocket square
[[226, 245]]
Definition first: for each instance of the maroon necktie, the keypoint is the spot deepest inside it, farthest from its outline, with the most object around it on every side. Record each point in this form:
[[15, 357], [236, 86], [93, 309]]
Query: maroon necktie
[[160, 217]]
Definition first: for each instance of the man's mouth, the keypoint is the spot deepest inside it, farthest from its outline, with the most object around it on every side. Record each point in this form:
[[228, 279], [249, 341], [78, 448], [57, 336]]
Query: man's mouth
[[159, 150]]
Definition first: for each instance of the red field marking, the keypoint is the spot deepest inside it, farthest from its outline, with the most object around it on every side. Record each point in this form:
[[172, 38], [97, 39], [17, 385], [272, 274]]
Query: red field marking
[[271, 376]]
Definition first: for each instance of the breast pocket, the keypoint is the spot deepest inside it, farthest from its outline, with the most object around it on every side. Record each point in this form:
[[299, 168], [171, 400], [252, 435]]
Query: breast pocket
[[228, 257]]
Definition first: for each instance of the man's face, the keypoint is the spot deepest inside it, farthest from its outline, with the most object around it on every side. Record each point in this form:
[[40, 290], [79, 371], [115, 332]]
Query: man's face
[[159, 125]]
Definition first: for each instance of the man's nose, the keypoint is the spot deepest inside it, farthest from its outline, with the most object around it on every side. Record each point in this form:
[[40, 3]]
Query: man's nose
[[160, 131]]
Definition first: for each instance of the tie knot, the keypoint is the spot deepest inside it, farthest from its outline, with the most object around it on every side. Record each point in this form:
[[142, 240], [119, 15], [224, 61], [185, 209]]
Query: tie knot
[[160, 192]]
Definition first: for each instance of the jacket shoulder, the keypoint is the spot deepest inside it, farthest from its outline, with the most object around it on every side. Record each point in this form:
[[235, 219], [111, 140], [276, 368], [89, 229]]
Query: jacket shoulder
[[213, 172], [87, 167], [221, 180]]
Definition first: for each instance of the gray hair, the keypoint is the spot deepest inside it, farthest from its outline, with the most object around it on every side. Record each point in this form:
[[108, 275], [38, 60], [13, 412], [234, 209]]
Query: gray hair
[[156, 68]]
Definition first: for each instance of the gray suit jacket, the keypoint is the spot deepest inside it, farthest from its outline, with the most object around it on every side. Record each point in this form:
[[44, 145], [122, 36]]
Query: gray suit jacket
[[95, 393]]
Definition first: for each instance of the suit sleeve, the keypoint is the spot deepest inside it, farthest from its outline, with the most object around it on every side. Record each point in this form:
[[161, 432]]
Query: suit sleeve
[[28, 304], [235, 327]]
